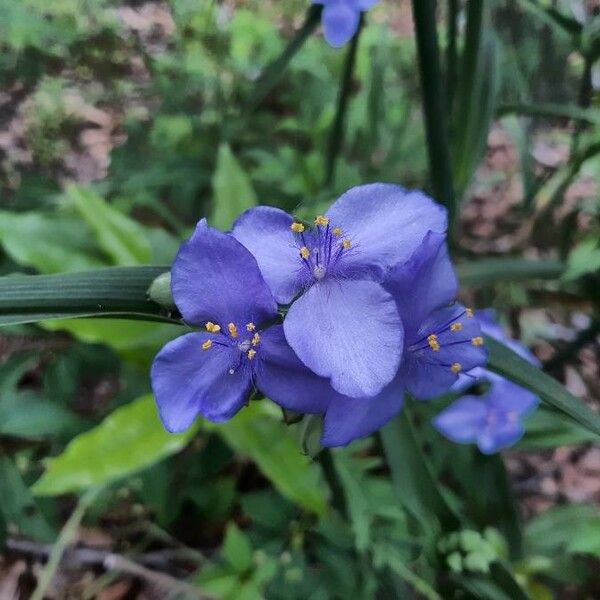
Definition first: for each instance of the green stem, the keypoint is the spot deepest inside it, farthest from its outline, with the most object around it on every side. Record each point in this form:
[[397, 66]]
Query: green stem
[[273, 73], [434, 104], [68, 532], [338, 497], [336, 136]]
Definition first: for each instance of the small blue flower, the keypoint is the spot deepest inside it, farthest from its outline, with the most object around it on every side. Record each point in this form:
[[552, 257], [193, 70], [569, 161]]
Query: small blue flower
[[217, 284], [344, 326], [441, 340], [493, 420], [341, 18]]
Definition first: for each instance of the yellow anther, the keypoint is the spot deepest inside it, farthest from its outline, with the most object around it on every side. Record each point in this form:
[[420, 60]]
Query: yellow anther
[[251, 354], [469, 312], [433, 342], [207, 345], [456, 326], [477, 341], [250, 326], [304, 252], [337, 231], [297, 227], [233, 331], [212, 327], [456, 368], [347, 244], [321, 220], [255, 339]]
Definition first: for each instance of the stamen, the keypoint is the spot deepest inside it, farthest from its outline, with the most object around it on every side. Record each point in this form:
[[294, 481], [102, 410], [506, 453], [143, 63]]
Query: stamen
[[456, 368], [347, 244], [251, 354], [256, 339], [250, 326], [212, 327], [297, 227], [337, 231], [207, 345], [469, 312], [304, 252], [233, 331], [433, 342], [321, 220], [477, 341], [456, 326]]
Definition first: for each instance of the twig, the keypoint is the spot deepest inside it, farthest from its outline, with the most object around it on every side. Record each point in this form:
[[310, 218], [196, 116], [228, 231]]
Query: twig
[[114, 562], [273, 73]]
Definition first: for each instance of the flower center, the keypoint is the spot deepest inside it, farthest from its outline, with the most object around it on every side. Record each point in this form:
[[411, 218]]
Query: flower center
[[321, 247], [228, 337], [444, 345]]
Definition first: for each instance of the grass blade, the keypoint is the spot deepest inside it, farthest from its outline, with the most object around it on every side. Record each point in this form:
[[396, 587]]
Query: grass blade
[[434, 104], [113, 291]]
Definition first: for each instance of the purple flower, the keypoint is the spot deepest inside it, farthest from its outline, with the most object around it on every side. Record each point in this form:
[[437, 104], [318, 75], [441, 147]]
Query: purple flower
[[341, 18], [217, 284], [492, 420], [441, 340], [344, 326]]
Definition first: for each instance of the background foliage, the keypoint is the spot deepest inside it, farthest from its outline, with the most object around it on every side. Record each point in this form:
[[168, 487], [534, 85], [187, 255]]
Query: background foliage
[[122, 123]]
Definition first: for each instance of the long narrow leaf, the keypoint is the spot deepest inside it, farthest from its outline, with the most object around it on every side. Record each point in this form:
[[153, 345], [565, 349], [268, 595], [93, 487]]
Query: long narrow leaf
[[116, 291], [434, 103], [489, 271], [505, 362]]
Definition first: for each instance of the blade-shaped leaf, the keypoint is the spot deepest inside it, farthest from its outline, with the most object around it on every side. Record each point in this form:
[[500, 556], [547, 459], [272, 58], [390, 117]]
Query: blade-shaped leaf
[[116, 291], [488, 271], [130, 439], [120, 237], [232, 189], [505, 362]]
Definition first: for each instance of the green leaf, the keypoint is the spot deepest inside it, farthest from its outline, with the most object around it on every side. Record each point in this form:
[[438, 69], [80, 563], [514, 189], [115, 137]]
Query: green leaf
[[121, 238], [560, 111], [232, 190], [123, 336], [434, 104], [17, 506], [477, 93], [259, 433], [583, 259], [551, 532], [130, 439], [237, 550], [116, 292], [49, 243], [509, 364], [413, 477], [488, 271], [549, 429]]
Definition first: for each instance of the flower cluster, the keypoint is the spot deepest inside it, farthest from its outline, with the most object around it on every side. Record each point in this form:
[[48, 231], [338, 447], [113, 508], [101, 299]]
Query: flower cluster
[[492, 420], [369, 297]]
